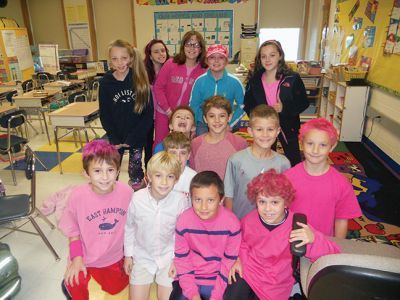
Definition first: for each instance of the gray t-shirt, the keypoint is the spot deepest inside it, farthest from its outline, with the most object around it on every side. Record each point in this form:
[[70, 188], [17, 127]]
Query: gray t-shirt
[[241, 168]]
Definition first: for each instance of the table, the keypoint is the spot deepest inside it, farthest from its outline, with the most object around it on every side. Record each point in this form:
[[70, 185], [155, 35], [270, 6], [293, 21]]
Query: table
[[36, 101], [64, 85], [74, 116], [6, 107]]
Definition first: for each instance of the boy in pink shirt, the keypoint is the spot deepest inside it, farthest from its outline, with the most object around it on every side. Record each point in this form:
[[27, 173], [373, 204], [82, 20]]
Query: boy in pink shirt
[[94, 222], [264, 263], [212, 150], [322, 193], [207, 242]]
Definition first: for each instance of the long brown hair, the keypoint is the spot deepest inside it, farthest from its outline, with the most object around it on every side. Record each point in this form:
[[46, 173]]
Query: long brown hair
[[283, 69], [140, 79], [180, 58], [147, 59]]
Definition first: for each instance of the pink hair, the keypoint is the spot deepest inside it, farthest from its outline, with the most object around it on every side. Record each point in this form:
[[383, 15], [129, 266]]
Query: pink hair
[[271, 184], [100, 150], [319, 124]]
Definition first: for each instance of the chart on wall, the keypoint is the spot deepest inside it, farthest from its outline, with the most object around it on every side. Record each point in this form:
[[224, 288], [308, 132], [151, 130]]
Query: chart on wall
[[215, 25]]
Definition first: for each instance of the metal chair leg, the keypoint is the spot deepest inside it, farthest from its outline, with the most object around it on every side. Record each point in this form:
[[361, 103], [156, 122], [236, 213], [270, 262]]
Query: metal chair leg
[[11, 158], [40, 214], [44, 238]]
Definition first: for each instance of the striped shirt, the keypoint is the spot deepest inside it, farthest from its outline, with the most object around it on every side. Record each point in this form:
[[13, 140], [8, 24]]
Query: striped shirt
[[205, 251]]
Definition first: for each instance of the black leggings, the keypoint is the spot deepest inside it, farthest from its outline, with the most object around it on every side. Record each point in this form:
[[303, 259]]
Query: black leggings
[[239, 290]]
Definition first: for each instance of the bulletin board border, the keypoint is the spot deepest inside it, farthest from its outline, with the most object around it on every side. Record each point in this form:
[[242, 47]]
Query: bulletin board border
[[202, 14]]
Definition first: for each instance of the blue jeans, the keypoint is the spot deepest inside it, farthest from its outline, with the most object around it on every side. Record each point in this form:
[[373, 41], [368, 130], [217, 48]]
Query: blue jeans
[[204, 291]]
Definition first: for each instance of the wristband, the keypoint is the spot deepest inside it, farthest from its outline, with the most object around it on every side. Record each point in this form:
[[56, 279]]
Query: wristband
[[75, 249]]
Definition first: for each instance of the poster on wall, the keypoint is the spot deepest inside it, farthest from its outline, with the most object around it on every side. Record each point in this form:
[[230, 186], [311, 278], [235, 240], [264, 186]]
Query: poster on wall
[[369, 36], [215, 25], [371, 9], [392, 43]]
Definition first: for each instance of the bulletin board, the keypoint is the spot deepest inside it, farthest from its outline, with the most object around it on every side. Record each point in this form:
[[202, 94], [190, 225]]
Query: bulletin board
[[215, 25], [365, 24], [16, 61]]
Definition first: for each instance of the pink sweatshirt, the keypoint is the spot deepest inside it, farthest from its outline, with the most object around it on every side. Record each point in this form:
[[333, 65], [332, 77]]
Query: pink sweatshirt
[[205, 251], [266, 258], [214, 157], [168, 88]]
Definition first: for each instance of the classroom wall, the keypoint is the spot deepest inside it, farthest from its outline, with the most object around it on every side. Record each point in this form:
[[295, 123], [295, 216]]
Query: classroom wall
[[385, 132], [47, 22], [13, 11], [144, 18], [112, 20]]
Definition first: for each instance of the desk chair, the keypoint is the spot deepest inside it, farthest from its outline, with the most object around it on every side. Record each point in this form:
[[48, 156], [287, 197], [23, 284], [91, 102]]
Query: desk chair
[[43, 77], [14, 122], [79, 96], [27, 85], [362, 271], [10, 95], [62, 76], [23, 206], [93, 90]]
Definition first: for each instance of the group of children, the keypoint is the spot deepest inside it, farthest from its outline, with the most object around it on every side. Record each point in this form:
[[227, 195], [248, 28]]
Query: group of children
[[225, 232]]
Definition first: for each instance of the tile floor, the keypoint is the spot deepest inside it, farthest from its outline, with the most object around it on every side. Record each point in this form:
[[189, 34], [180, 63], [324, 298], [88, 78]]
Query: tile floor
[[41, 274]]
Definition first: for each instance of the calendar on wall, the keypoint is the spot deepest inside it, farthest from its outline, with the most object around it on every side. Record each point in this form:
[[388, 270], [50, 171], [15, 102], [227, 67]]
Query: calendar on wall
[[215, 25]]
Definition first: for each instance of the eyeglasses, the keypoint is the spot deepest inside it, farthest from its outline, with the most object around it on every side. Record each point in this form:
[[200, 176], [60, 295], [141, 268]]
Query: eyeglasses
[[192, 45]]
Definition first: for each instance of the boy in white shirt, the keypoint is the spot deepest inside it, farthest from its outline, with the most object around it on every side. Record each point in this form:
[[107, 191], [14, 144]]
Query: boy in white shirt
[[150, 229], [179, 144]]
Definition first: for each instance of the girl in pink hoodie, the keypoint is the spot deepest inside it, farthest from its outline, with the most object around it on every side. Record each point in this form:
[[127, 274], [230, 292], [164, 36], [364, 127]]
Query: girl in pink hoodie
[[175, 80]]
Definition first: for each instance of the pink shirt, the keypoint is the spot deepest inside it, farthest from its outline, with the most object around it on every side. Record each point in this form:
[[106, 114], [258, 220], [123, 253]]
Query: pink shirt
[[205, 251], [271, 91], [323, 198], [99, 220], [266, 258], [213, 157], [173, 85]]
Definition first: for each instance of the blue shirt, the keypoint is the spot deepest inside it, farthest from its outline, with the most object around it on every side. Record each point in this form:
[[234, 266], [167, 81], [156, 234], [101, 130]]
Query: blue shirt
[[228, 86]]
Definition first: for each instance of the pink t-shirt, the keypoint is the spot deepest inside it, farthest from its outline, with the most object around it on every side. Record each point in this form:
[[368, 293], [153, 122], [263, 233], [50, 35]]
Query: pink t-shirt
[[213, 157], [266, 258], [271, 91], [323, 198], [99, 220]]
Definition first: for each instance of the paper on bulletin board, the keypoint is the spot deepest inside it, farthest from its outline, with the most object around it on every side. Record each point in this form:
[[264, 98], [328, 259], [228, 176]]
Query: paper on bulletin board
[[9, 37], [79, 36], [49, 55], [23, 52], [75, 11]]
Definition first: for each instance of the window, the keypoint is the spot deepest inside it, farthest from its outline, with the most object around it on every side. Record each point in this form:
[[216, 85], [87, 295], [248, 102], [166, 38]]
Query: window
[[288, 37]]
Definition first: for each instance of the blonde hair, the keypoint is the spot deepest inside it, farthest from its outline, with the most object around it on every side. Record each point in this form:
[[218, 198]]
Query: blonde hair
[[164, 161], [176, 140], [140, 79]]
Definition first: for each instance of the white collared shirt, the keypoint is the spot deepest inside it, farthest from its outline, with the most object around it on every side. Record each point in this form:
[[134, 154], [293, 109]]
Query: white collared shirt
[[150, 228]]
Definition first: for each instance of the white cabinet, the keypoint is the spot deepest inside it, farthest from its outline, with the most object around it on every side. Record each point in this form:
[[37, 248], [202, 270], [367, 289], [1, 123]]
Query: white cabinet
[[345, 107]]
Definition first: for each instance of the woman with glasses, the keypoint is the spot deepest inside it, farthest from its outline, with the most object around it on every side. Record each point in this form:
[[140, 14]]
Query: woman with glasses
[[174, 82], [274, 84]]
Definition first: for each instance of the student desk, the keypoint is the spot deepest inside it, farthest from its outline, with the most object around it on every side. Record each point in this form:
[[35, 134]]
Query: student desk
[[6, 107], [64, 85], [74, 116], [32, 100]]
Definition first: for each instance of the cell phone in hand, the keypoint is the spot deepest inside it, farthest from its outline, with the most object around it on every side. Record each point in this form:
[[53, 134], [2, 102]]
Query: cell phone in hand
[[300, 251]]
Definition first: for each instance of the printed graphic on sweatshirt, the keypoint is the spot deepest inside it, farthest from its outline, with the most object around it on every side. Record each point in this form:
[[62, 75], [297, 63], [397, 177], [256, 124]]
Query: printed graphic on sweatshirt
[[124, 96], [107, 219]]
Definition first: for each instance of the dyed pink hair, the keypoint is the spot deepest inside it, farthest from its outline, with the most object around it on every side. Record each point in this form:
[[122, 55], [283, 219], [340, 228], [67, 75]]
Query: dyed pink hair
[[271, 184], [100, 150], [319, 124]]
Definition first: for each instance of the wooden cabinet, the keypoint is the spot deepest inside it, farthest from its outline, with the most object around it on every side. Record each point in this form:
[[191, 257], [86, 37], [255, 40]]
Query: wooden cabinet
[[345, 107], [313, 85]]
